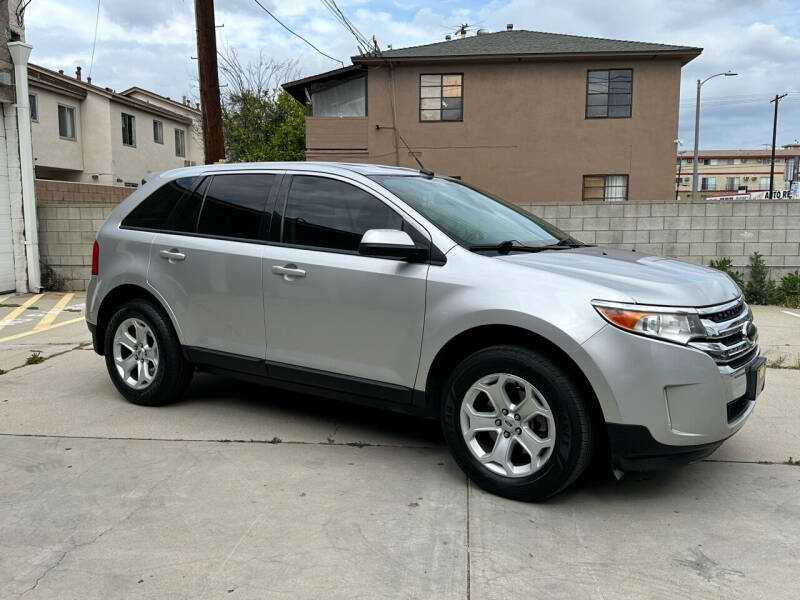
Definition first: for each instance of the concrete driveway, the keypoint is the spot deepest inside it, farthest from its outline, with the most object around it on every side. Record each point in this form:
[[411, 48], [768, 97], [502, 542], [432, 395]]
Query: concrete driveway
[[241, 491]]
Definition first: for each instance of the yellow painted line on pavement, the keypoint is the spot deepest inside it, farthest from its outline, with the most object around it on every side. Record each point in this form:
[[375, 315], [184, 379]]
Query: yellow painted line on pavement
[[53, 312], [22, 335], [19, 310], [4, 298]]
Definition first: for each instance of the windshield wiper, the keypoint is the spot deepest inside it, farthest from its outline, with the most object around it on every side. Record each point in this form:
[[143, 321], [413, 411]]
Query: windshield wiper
[[570, 243], [515, 246]]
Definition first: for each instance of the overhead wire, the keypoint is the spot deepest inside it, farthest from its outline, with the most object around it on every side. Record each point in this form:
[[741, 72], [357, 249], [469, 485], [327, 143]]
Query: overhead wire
[[294, 33], [94, 42]]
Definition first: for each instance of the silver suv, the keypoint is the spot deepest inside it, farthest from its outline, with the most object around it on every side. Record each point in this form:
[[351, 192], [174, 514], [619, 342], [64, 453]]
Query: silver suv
[[417, 293]]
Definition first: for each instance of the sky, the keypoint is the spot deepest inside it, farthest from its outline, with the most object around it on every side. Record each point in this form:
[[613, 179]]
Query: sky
[[150, 43]]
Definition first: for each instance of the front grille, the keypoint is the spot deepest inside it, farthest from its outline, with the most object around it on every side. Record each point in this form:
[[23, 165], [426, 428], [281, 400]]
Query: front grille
[[737, 408], [726, 337], [726, 315]]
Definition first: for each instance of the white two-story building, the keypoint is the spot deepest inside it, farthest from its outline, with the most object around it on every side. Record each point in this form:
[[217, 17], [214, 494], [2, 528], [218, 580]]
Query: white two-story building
[[90, 134]]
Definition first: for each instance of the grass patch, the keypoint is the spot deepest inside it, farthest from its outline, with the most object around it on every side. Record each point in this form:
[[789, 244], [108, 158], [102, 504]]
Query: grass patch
[[35, 358]]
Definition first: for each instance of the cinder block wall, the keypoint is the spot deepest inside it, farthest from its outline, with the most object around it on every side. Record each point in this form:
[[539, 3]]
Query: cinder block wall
[[695, 232], [69, 216]]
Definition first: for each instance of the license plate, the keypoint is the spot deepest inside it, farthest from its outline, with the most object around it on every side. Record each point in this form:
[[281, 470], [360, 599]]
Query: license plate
[[756, 378]]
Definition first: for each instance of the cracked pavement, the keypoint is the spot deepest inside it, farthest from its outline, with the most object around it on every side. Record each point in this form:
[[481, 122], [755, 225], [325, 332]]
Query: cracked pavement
[[103, 499]]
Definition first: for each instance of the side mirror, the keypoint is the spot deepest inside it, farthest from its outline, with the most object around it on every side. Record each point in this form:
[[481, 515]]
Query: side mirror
[[390, 243]]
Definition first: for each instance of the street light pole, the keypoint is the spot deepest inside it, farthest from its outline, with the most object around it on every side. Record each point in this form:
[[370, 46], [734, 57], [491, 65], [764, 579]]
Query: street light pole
[[697, 129]]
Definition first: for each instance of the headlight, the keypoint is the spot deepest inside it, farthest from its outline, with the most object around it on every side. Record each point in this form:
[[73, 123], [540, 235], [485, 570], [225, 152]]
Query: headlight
[[672, 324]]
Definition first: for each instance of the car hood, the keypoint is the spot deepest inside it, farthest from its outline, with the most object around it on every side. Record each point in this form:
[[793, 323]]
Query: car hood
[[645, 279]]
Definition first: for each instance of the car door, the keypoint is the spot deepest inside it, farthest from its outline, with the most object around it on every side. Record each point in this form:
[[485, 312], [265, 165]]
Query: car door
[[210, 276], [332, 315]]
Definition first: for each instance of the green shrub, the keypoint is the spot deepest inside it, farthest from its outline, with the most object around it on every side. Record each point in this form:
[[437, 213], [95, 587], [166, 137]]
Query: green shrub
[[790, 289], [726, 266], [760, 289]]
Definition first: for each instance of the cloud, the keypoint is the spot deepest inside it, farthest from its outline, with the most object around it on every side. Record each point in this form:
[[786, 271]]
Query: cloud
[[150, 43]]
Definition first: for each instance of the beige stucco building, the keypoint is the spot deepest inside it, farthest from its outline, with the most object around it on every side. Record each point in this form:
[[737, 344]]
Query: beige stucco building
[[732, 172], [533, 117], [86, 133]]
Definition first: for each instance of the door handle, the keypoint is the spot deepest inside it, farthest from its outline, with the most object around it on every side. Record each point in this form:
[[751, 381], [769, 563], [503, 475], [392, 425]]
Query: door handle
[[290, 272], [173, 255]]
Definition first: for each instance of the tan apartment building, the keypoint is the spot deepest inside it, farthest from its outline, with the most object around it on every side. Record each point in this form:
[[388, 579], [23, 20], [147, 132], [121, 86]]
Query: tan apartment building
[[90, 134], [738, 172], [531, 116]]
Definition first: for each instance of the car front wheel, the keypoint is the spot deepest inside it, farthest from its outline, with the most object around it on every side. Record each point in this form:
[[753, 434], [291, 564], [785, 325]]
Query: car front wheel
[[517, 423]]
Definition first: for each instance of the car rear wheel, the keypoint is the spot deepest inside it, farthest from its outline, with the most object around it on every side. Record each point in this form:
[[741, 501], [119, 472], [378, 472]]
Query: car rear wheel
[[143, 355], [517, 423]]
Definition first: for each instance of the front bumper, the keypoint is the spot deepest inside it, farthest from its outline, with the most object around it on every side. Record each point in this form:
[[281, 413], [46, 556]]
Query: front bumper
[[679, 402]]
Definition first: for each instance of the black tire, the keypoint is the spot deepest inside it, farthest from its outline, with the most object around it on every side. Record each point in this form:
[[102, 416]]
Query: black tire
[[174, 372], [574, 437]]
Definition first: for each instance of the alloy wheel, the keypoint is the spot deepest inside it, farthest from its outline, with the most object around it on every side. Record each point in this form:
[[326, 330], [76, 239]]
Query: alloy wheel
[[507, 425], [135, 353]]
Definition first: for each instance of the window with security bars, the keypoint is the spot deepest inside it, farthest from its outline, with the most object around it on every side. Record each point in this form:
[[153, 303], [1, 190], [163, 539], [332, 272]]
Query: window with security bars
[[441, 97], [605, 188], [609, 93]]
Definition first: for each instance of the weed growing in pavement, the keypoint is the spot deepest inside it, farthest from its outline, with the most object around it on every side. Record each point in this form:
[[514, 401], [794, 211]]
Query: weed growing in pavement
[[275, 440], [3, 371], [35, 358], [791, 462], [358, 444], [777, 363]]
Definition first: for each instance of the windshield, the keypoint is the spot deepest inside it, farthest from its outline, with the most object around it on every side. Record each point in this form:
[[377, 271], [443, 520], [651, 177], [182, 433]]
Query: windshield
[[469, 216]]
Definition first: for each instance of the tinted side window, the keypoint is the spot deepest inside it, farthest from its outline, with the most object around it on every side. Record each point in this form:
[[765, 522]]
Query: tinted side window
[[327, 213], [152, 213], [234, 205], [184, 215]]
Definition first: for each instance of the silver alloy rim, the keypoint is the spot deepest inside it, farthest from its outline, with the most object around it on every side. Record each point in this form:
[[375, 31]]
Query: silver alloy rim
[[508, 425], [135, 353]]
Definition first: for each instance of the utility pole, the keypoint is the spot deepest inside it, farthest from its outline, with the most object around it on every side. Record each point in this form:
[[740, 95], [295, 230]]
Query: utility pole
[[209, 80], [776, 99]]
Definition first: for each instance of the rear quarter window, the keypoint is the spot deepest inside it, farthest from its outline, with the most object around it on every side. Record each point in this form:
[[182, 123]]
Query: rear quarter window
[[154, 211]]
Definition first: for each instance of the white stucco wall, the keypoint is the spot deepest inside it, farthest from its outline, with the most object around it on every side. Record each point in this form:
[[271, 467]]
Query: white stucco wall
[[194, 139], [49, 149], [132, 163]]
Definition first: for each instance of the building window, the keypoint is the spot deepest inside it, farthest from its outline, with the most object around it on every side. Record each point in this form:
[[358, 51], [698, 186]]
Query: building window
[[128, 130], [732, 183], [712, 162], [606, 188], [158, 132], [180, 143], [763, 183], [66, 122], [441, 97], [608, 94], [33, 103], [346, 99], [708, 183]]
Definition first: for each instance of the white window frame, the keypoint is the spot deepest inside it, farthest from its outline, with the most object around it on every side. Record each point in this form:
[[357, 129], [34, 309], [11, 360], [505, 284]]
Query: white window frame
[[70, 110], [158, 125], [133, 129], [180, 134], [33, 106]]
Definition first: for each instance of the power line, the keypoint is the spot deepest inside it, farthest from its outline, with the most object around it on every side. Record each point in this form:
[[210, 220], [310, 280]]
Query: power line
[[94, 42], [363, 43], [277, 20]]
